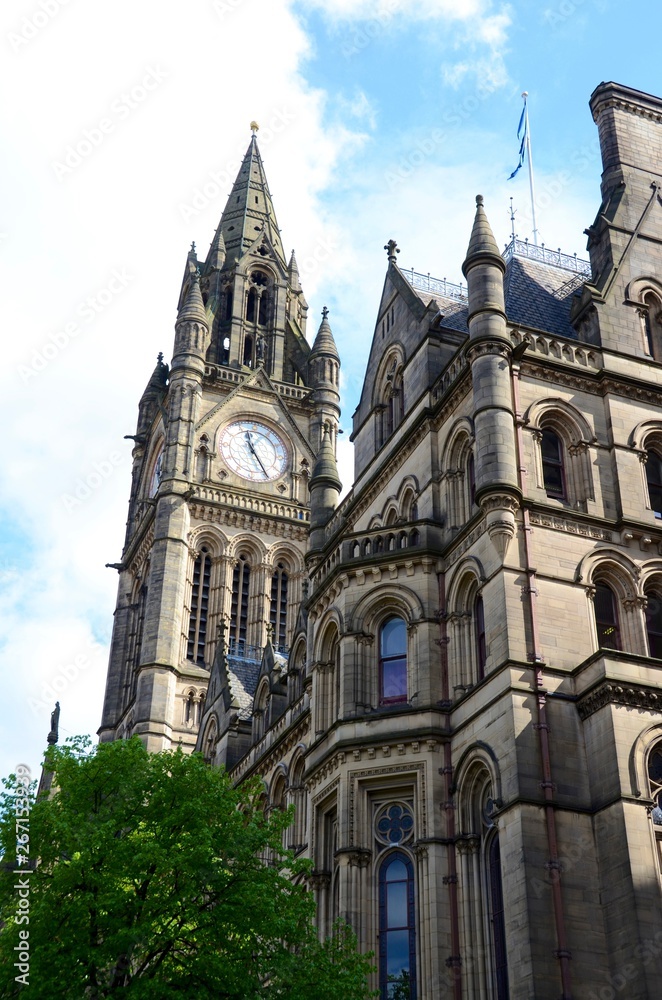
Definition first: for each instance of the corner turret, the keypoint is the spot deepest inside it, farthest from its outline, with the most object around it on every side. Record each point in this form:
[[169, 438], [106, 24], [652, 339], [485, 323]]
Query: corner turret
[[325, 487], [488, 353]]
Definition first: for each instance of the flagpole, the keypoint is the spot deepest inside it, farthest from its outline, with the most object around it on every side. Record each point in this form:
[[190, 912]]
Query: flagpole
[[528, 150]]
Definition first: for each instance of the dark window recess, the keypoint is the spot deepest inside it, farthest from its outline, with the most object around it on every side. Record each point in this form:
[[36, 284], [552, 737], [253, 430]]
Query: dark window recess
[[239, 606], [606, 618], [497, 920], [654, 623], [278, 609], [197, 630], [654, 480], [471, 476], [393, 662], [552, 465], [481, 645]]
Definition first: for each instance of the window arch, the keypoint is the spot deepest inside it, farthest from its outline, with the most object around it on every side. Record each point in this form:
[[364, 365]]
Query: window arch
[[562, 438], [606, 617], [654, 481], [241, 578], [651, 315], [481, 644], [653, 596], [553, 464], [297, 796], [278, 606], [655, 785], [388, 397], [482, 897], [197, 630], [459, 471], [393, 661], [397, 927], [468, 646]]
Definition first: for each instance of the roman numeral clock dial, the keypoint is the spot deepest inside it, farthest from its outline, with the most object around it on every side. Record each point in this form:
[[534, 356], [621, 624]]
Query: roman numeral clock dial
[[253, 451]]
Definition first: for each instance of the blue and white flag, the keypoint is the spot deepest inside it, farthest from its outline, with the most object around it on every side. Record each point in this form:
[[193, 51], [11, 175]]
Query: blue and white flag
[[521, 128]]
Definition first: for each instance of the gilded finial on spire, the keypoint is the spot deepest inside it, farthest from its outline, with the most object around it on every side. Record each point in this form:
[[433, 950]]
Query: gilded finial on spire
[[254, 128]]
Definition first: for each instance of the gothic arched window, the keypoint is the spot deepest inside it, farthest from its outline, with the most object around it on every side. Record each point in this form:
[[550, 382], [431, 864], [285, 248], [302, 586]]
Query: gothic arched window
[[654, 480], [497, 917], [651, 314], [655, 780], [606, 617], [278, 606], [393, 662], [397, 928], [481, 645], [654, 623], [239, 607], [553, 469], [197, 629]]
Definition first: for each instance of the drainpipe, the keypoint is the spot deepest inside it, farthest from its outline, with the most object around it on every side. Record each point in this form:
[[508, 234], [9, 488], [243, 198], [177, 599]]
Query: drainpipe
[[454, 961], [542, 726]]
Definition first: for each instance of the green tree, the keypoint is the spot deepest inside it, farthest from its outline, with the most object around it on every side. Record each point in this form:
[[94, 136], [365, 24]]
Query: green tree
[[157, 878]]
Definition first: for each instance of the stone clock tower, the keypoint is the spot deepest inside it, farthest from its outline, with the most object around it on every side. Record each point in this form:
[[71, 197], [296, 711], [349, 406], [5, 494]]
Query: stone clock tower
[[226, 447]]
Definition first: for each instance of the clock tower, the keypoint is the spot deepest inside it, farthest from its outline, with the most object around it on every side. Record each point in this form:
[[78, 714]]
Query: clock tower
[[226, 450]]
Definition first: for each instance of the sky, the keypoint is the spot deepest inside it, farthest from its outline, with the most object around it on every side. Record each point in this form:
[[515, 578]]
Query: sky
[[122, 127]]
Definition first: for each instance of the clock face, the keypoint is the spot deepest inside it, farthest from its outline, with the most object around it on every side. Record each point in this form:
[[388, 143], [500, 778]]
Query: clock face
[[253, 451]]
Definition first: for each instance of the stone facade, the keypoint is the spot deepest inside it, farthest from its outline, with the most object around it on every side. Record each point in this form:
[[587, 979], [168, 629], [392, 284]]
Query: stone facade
[[454, 674]]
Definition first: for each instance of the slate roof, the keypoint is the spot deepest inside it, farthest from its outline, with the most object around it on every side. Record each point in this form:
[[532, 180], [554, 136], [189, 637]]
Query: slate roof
[[243, 674], [538, 296]]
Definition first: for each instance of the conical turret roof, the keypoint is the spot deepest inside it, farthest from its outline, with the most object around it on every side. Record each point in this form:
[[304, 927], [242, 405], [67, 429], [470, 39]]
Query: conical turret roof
[[482, 242], [158, 379], [249, 209], [293, 273], [325, 468], [324, 342], [193, 308]]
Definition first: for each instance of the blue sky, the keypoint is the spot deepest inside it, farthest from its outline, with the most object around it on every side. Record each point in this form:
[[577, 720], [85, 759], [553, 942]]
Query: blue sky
[[120, 134]]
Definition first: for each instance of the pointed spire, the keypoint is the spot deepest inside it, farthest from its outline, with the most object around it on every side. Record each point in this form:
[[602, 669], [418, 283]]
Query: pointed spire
[[293, 273], [249, 208], [324, 342], [217, 252], [482, 243], [193, 308], [158, 378]]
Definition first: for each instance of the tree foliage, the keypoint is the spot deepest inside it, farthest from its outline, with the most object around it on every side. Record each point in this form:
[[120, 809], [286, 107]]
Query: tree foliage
[[157, 878]]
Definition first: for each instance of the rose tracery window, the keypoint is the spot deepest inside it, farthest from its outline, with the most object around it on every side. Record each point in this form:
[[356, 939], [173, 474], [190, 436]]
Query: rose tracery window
[[394, 824]]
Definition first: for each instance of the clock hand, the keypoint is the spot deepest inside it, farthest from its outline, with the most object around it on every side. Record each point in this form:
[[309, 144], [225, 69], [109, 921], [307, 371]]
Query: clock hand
[[250, 445]]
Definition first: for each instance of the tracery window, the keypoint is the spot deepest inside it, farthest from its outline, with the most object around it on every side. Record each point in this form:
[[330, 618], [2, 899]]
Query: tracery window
[[606, 617], [397, 928], [197, 631], [393, 661], [239, 605]]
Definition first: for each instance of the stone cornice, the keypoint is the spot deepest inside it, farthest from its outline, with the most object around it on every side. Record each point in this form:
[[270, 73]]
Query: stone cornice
[[640, 697]]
